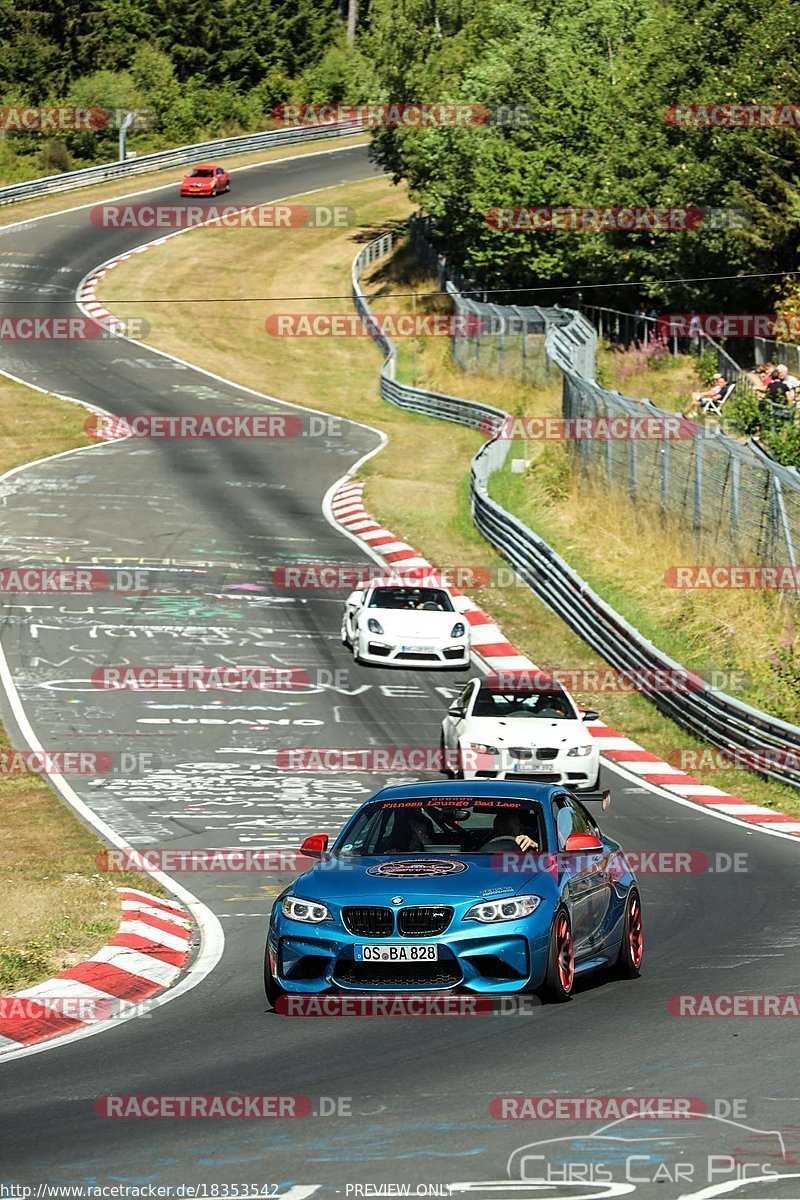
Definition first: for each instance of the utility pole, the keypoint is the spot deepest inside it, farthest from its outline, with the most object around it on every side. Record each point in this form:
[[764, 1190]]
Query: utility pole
[[127, 121]]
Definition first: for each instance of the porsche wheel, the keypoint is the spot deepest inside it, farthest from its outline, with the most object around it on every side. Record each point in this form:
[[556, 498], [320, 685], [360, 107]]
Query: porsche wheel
[[631, 952], [560, 977]]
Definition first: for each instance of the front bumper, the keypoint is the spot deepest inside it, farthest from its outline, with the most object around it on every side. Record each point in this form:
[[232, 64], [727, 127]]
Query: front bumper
[[374, 649], [563, 770], [509, 957]]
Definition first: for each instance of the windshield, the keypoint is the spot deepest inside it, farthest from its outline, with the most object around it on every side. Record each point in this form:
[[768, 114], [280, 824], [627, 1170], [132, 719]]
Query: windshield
[[550, 704], [424, 599], [442, 826], [201, 173]]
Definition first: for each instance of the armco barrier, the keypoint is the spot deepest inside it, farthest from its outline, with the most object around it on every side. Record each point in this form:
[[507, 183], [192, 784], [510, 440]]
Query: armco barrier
[[717, 718], [178, 157]]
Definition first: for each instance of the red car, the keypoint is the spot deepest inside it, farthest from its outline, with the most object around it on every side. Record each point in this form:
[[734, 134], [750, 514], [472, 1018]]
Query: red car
[[206, 180]]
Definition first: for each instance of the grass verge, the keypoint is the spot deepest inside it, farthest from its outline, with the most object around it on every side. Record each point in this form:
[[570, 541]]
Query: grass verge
[[418, 486]]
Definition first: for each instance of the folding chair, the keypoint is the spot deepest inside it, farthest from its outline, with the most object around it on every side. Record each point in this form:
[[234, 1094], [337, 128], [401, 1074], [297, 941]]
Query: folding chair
[[716, 406]]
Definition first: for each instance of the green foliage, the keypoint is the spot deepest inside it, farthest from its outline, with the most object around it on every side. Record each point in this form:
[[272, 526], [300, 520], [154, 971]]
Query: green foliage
[[54, 157], [783, 443], [596, 79], [745, 413], [705, 365]]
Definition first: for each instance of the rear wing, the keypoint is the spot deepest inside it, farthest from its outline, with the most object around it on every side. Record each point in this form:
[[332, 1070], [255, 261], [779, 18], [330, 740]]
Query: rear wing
[[603, 798]]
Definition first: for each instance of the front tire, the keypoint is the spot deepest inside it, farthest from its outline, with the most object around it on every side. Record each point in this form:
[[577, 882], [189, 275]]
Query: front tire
[[559, 979], [631, 952]]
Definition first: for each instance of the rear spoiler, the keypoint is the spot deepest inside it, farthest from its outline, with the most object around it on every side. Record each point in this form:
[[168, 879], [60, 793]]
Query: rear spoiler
[[603, 798]]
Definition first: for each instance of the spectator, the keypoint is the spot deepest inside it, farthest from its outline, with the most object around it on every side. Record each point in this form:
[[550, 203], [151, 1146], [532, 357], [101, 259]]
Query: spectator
[[701, 399], [779, 396], [791, 381]]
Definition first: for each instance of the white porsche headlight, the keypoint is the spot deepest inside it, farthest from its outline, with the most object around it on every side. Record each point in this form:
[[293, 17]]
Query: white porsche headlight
[[503, 910], [579, 751], [304, 910], [458, 630], [374, 626]]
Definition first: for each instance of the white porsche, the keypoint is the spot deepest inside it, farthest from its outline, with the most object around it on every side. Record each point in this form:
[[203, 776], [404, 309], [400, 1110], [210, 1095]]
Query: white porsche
[[415, 626], [496, 730]]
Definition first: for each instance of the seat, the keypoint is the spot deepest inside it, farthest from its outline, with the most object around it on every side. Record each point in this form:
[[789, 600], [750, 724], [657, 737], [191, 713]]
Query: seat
[[716, 406]]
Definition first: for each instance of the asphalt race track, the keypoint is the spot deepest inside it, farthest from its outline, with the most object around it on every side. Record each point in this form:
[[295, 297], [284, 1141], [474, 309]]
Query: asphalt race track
[[409, 1097]]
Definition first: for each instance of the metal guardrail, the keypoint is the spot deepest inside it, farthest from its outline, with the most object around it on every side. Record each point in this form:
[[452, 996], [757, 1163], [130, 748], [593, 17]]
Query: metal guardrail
[[177, 157], [717, 718]]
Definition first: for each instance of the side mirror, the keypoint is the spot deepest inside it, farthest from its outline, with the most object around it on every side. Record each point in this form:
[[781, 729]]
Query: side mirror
[[355, 598], [462, 604], [456, 710], [315, 845], [590, 715], [583, 843]]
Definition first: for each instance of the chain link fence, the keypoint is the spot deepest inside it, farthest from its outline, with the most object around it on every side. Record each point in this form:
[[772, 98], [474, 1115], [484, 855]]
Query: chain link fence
[[735, 501]]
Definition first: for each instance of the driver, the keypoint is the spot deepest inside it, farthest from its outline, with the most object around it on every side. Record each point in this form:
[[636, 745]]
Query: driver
[[510, 824]]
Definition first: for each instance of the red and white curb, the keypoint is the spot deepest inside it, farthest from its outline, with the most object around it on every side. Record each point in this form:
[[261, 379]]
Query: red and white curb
[[496, 651], [86, 294], [148, 953]]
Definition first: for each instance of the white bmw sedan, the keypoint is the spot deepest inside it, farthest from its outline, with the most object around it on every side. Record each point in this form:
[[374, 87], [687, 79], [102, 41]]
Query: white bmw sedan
[[415, 626], [495, 730]]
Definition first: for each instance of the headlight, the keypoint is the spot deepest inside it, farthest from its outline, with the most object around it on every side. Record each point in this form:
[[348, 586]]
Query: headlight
[[579, 751], [480, 748], [503, 910], [374, 626], [458, 630], [304, 910]]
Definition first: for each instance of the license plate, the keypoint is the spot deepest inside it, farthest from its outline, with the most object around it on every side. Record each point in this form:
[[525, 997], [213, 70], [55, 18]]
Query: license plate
[[415, 649], [399, 954], [529, 766]]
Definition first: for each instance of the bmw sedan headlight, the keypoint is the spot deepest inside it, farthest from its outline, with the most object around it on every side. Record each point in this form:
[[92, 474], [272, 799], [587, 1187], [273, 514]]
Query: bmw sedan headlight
[[503, 910], [579, 751], [482, 748], [374, 626], [304, 910], [458, 630]]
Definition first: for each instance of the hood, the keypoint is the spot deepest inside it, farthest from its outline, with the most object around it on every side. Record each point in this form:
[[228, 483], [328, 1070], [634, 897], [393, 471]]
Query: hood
[[527, 731], [445, 879], [409, 622]]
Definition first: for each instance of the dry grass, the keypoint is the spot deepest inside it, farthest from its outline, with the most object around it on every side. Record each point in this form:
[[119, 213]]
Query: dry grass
[[33, 425], [418, 486], [669, 384]]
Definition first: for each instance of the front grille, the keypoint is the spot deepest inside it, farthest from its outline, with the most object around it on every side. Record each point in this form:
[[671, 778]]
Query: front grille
[[547, 753], [520, 752], [398, 975], [536, 776], [424, 921], [369, 922], [451, 654], [374, 648], [418, 657]]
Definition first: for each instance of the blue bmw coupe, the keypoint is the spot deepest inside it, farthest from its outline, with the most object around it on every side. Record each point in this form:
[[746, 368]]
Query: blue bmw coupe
[[483, 887]]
